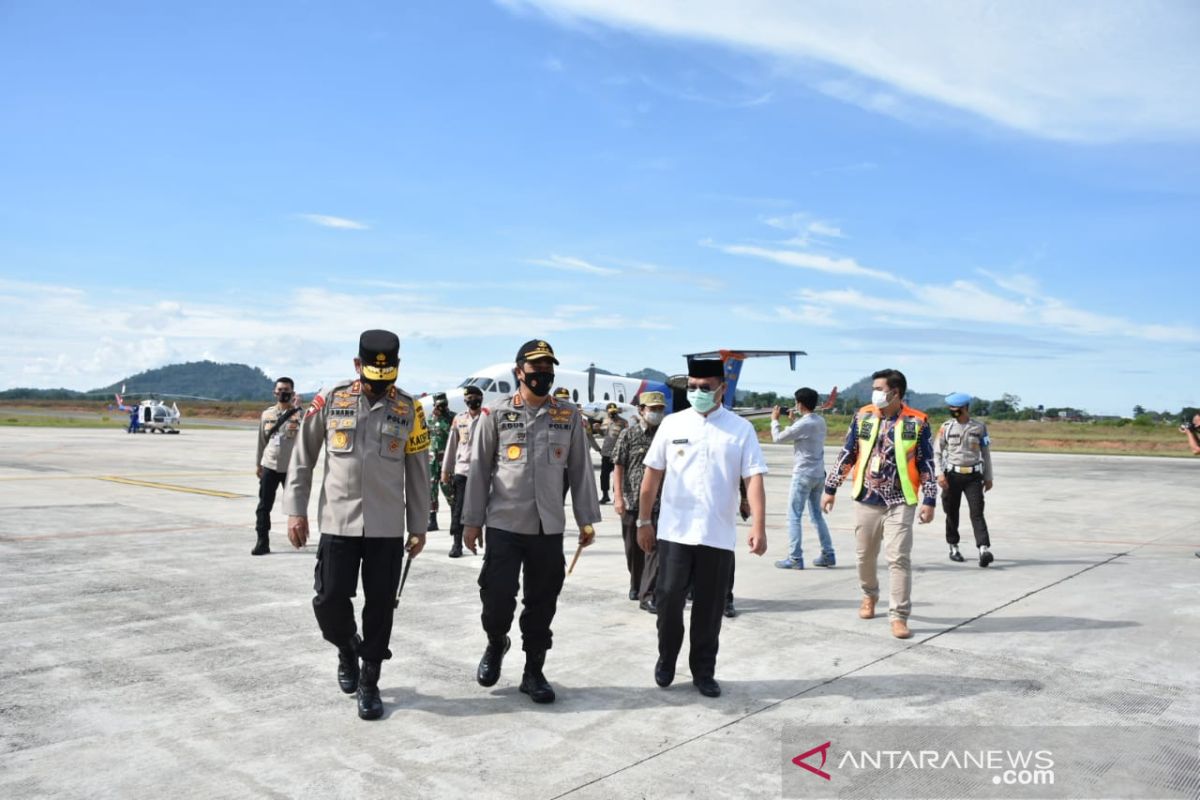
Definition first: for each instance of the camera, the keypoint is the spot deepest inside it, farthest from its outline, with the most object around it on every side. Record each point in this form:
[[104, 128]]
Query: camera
[[1188, 425]]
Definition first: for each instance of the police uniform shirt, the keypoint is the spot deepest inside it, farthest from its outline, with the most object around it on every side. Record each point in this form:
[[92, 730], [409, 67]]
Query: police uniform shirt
[[376, 463], [276, 452], [704, 459], [611, 428], [518, 457], [964, 445], [458, 446]]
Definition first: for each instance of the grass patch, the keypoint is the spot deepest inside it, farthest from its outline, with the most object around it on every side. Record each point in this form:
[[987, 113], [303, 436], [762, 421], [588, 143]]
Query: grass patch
[[1084, 438], [44, 421]]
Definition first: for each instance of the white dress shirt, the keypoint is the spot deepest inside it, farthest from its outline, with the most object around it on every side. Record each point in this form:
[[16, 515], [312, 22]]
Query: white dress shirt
[[704, 459]]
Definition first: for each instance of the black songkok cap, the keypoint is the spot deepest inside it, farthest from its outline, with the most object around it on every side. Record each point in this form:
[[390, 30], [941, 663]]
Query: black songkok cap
[[706, 368], [379, 352]]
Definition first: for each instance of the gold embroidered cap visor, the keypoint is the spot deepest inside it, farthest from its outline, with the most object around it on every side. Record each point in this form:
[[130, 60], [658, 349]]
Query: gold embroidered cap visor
[[535, 349], [379, 353]]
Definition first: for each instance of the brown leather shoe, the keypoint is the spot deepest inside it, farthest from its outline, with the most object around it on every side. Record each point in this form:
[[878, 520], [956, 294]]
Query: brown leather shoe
[[900, 629], [867, 609]]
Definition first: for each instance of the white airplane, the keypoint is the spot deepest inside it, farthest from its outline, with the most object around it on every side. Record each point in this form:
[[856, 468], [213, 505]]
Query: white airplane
[[592, 390]]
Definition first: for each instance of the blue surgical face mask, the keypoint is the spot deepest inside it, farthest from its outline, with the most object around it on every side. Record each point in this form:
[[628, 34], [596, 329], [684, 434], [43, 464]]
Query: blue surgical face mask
[[701, 400]]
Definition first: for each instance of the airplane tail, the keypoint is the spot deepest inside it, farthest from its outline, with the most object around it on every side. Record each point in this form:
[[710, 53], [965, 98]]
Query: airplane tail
[[733, 371], [828, 404]]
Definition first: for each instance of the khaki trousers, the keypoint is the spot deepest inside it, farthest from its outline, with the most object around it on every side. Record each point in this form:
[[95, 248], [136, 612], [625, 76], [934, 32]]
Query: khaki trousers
[[893, 528]]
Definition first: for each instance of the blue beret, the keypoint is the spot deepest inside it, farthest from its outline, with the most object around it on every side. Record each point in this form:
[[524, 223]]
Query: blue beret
[[958, 400]]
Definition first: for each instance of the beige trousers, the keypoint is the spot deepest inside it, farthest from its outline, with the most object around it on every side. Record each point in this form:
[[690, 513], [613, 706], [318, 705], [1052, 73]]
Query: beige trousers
[[893, 528]]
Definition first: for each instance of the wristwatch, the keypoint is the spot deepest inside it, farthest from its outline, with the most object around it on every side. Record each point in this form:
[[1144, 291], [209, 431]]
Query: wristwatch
[[642, 522]]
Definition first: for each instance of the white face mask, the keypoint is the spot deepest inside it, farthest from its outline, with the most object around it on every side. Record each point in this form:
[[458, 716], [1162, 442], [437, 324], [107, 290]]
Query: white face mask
[[879, 398], [654, 418]]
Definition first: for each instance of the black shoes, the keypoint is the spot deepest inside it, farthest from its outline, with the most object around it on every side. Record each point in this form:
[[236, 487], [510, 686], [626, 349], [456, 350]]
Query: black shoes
[[648, 605], [730, 611], [489, 666], [986, 557], [456, 548], [633, 594], [261, 547], [663, 675], [348, 673], [707, 685], [369, 704], [432, 521], [604, 500], [956, 556], [533, 682]]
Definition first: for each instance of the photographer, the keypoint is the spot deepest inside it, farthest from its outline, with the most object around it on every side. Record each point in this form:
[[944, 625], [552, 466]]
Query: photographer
[[1192, 429]]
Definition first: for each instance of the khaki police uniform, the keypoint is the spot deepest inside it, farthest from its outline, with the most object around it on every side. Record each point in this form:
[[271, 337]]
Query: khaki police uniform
[[610, 428], [272, 455], [964, 455], [376, 485], [518, 459], [456, 463]]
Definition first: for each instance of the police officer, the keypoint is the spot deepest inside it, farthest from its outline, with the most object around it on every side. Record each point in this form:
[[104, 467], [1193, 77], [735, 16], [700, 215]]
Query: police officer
[[610, 428], [964, 455], [518, 455], [376, 480], [456, 463], [439, 434], [277, 429]]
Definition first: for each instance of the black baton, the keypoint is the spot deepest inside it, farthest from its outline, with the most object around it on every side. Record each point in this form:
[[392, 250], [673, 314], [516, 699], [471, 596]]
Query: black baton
[[403, 578]]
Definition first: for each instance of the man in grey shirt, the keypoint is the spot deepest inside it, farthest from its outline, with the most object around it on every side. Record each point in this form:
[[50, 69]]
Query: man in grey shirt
[[376, 484], [520, 454], [807, 435]]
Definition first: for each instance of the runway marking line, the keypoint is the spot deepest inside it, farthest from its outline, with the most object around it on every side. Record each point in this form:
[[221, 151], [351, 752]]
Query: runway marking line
[[168, 486]]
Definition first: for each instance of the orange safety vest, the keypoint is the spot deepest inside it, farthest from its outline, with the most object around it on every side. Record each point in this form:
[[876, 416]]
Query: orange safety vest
[[908, 433]]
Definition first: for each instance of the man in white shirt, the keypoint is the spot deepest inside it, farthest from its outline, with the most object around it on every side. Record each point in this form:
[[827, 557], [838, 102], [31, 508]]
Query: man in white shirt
[[698, 457], [807, 436]]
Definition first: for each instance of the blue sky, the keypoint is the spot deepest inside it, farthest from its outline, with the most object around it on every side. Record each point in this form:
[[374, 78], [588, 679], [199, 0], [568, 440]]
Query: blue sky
[[993, 198]]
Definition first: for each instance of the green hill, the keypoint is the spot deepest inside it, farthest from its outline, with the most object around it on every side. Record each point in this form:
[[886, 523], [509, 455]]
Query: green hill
[[861, 389], [200, 379]]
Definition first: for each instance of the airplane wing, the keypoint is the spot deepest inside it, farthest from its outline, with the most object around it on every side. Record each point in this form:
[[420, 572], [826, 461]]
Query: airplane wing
[[733, 360]]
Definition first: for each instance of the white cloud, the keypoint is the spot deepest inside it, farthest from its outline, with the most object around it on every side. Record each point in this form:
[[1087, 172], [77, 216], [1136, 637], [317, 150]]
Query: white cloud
[[552, 64], [1071, 69], [572, 264], [805, 228], [341, 223], [812, 261]]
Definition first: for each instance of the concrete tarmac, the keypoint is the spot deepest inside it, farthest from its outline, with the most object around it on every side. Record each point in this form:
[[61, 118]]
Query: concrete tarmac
[[145, 653]]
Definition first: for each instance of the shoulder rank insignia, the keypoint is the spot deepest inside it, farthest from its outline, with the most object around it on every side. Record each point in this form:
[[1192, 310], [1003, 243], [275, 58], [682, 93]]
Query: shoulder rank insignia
[[418, 438], [318, 403]]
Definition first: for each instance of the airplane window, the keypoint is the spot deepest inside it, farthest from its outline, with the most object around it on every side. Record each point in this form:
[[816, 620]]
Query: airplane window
[[502, 386], [606, 395], [486, 384], [467, 382], [575, 395]]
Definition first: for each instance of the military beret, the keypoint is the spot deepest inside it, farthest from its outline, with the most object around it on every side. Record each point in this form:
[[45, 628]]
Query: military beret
[[958, 400]]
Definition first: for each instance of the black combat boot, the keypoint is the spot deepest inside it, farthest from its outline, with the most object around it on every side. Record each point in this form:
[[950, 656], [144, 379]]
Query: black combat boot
[[262, 546], [456, 548], [348, 666], [369, 704], [432, 520], [533, 682], [493, 656]]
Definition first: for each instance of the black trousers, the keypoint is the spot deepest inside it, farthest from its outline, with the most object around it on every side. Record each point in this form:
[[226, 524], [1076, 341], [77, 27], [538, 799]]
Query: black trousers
[[267, 486], [456, 507], [606, 468], [335, 581], [708, 571], [971, 485], [643, 569], [506, 555]]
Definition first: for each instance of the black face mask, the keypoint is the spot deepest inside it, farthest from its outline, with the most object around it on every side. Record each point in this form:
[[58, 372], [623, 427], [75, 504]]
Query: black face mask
[[474, 402], [377, 388], [539, 382], [285, 397]]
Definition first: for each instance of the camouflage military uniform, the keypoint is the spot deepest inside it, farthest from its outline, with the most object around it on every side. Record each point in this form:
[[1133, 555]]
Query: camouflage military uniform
[[439, 434]]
